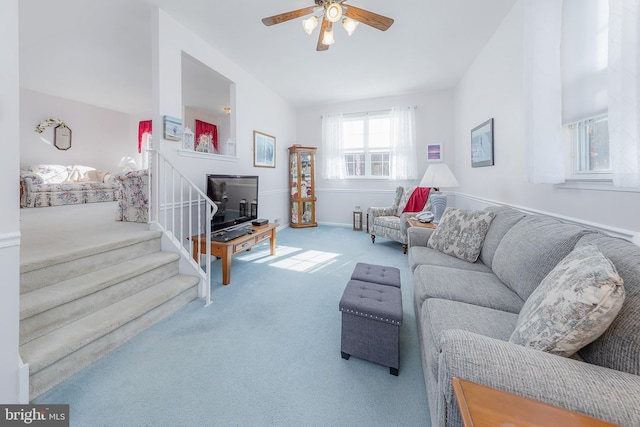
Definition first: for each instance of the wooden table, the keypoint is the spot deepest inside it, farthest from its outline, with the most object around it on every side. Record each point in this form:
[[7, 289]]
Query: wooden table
[[482, 406], [415, 223], [226, 250]]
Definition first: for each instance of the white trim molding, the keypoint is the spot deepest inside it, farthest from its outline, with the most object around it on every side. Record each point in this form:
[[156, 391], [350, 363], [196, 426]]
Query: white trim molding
[[614, 231], [207, 156], [9, 240], [594, 184]]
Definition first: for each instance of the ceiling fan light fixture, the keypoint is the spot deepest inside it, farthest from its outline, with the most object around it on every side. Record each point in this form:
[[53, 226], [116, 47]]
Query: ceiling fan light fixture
[[309, 24], [350, 25], [334, 12], [327, 38]]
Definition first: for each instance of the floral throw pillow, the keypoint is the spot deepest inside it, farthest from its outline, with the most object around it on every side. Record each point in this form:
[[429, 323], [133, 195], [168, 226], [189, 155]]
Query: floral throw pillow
[[573, 305], [461, 233]]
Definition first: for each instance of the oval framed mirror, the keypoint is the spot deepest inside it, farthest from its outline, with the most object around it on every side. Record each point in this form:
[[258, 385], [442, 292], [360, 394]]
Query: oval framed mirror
[[62, 137]]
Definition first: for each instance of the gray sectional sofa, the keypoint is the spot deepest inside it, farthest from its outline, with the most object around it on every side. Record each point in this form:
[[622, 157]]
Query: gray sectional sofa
[[467, 311]]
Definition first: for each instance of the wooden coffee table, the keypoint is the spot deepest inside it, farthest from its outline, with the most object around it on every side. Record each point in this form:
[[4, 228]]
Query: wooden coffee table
[[482, 406], [226, 250]]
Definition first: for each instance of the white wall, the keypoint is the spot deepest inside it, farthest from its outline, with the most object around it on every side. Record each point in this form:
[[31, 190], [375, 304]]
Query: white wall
[[255, 107], [9, 195], [338, 198], [100, 137], [492, 88]]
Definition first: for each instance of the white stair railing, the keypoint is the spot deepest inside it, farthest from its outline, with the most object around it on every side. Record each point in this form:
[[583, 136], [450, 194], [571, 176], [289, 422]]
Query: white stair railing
[[183, 213]]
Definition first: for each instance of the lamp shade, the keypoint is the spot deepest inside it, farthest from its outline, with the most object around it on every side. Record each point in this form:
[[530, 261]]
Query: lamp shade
[[310, 23], [438, 175], [128, 163]]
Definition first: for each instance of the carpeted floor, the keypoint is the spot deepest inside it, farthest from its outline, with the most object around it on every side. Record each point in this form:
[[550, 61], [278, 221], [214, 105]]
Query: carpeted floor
[[265, 353]]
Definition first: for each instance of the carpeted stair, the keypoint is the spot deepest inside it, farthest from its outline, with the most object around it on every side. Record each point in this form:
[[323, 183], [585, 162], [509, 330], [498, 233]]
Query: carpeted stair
[[75, 308]]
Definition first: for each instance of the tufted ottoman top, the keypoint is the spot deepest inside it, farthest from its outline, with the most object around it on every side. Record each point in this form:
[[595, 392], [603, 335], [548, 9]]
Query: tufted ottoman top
[[373, 301], [380, 274]]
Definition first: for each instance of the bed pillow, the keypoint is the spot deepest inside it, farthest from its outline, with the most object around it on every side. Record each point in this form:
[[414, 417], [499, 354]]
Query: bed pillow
[[573, 305], [461, 233]]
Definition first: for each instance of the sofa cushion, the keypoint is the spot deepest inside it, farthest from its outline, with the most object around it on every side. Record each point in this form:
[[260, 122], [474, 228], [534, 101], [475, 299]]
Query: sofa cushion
[[530, 250], [421, 255], [461, 233], [573, 305], [619, 347], [503, 221], [438, 315], [392, 222], [471, 287]]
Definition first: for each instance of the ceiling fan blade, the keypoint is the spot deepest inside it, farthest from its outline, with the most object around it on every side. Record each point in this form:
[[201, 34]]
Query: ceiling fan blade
[[325, 24], [374, 20], [287, 16]]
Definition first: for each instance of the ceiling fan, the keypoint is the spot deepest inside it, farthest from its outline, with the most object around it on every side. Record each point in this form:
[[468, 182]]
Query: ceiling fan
[[330, 12]]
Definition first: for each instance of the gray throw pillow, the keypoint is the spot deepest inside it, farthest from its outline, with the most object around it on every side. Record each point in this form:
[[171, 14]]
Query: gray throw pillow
[[461, 233], [574, 304]]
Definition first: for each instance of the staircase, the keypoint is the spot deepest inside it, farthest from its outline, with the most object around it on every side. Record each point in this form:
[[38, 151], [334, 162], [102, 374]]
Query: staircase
[[75, 310]]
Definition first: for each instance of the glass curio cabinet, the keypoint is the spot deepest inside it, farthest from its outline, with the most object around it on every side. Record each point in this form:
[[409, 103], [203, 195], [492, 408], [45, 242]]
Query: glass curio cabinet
[[302, 195]]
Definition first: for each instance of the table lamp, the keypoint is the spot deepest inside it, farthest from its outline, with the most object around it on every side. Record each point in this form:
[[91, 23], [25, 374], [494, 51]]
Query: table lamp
[[127, 164], [437, 176]]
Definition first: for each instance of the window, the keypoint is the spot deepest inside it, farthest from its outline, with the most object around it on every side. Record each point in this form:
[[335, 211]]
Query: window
[[367, 145], [372, 145], [590, 143], [584, 87]]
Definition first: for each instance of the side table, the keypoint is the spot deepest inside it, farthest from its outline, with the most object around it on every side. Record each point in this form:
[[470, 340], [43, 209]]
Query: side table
[[415, 223], [482, 406]]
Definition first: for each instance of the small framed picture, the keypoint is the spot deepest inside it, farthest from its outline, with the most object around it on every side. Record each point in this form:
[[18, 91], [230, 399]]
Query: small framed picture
[[434, 152], [172, 128], [264, 150], [482, 144]]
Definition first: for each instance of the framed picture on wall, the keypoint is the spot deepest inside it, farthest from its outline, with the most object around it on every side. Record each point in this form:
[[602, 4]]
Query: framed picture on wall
[[172, 128], [482, 144], [434, 152], [264, 150]]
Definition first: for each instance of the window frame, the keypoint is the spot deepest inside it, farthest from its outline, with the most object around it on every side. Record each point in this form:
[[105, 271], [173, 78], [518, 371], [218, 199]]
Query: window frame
[[366, 150], [579, 142]]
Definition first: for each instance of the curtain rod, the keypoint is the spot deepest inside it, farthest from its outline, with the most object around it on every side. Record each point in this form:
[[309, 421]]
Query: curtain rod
[[415, 107]]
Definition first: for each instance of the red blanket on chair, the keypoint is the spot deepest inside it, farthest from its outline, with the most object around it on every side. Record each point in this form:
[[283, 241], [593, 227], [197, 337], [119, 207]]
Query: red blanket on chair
[[417, 200]]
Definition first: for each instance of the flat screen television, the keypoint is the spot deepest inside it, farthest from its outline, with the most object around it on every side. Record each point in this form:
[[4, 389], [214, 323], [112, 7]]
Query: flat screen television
[[236, 197]]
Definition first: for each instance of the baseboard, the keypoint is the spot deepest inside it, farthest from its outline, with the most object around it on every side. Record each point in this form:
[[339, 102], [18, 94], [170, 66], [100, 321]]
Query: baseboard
[[481, 203]]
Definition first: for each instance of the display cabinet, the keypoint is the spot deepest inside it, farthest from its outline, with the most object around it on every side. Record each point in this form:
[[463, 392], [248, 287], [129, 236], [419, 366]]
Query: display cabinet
[[302, 199]]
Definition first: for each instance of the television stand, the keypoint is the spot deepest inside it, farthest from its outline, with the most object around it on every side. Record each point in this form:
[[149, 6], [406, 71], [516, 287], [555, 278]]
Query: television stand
[[226, 250]]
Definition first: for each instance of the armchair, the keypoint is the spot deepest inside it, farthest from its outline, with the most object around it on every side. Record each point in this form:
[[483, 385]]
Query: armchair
[[390, 222]]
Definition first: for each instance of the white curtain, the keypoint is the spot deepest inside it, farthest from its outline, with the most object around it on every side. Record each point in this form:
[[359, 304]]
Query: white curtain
[[624, 92], [543, 91], [402, 158], [332, 147]]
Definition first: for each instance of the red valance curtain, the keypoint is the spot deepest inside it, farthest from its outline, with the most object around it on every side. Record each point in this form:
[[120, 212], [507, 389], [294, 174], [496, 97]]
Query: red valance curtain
[[204, 128], [143, 127]]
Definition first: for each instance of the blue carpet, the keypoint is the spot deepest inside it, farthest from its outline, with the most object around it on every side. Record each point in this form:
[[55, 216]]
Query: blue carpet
[[265, 353]]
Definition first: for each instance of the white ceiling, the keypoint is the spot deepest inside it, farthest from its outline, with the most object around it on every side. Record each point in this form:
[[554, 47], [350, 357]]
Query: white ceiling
[[99, 52]]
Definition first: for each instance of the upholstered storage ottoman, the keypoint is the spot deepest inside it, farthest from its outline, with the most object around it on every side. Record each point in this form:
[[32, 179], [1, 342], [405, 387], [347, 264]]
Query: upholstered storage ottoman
[[371, 320], [379, 274]]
